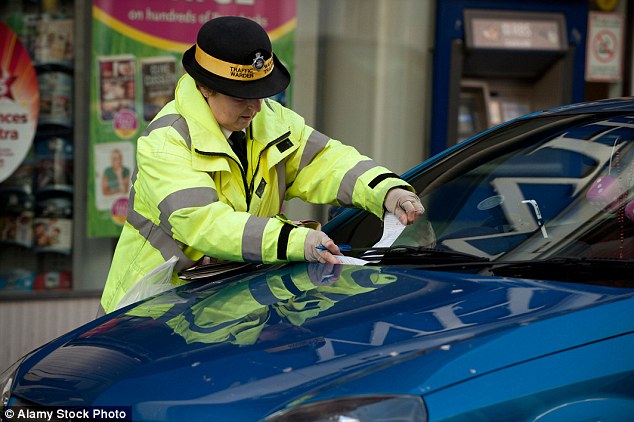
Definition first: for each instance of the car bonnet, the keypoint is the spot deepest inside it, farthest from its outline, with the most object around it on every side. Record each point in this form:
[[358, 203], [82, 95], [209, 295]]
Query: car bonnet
[[272, 336]]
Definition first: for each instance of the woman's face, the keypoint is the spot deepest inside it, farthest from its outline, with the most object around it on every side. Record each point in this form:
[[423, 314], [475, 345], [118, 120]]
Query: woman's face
[[233, 113], [117, 159]]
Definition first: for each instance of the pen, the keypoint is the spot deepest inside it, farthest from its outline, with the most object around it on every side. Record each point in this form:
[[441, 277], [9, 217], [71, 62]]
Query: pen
[[342, 248]]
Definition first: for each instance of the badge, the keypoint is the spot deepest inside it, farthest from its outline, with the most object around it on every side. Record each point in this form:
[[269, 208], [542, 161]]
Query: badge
[[284, 145], [258, 62], [260, 189]]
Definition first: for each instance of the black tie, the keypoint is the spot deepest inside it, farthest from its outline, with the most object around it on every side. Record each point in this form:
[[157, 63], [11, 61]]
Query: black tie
[[239, 146]]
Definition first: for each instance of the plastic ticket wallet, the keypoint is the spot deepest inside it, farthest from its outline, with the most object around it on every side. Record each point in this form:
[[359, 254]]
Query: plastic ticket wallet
[[156, 281]]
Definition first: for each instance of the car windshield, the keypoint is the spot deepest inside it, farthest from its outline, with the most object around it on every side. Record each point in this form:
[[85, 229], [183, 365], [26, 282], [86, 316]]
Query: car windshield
[[535, 190]]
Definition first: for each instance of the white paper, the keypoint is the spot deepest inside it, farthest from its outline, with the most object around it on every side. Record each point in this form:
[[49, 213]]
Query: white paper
[[392, 229], [350, 260]]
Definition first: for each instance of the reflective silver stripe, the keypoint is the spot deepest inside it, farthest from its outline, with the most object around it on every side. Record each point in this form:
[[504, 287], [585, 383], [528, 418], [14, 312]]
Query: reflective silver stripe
[[314, 145], [262, 293], [252, 238], [134, 174], [176, 121], [344, 195], [159, 239], [280, 169], [132, 193], [184, 198]]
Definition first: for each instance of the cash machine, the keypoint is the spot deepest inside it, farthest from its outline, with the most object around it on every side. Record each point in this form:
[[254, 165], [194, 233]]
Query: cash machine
[[497, 60]]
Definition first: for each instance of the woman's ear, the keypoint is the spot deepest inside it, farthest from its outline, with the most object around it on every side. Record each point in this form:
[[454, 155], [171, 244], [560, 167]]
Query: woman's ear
[[203, 90]]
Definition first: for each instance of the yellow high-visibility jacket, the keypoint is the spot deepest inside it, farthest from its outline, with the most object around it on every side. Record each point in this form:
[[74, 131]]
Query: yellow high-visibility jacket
[[191, 197]]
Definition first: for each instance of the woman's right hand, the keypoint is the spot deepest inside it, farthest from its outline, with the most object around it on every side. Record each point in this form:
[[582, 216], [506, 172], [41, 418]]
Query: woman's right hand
[[318, 247]]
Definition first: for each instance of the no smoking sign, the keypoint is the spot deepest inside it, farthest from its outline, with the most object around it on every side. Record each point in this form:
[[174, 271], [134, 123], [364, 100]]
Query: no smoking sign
[[604, 47]]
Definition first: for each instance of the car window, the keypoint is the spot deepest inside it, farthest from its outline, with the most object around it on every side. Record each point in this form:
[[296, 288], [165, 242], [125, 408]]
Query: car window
[[537, 188]]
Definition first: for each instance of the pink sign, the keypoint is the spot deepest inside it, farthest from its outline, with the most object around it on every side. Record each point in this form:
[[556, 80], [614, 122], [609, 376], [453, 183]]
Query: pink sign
[[168, 21], [19, 102]]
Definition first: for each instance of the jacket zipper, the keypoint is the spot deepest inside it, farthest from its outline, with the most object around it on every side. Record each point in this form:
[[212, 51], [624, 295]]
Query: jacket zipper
[[257, 166], [248, 188], [242, 171]]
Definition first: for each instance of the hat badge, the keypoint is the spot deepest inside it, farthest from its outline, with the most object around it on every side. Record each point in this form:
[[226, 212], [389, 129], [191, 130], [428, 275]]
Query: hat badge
[[258, 62]]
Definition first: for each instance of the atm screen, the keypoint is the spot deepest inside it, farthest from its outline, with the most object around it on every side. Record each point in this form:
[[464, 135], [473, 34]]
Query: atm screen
[[466, 118], [472, 110]]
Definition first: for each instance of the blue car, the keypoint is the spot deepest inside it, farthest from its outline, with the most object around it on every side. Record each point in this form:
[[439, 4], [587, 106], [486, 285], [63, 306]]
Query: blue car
[[510, 299]]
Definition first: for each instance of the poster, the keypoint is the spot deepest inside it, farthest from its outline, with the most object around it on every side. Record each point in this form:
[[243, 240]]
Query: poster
[[136, 58], [19, 102]]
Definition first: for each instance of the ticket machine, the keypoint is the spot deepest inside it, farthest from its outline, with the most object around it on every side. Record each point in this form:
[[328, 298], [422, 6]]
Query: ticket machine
[[495, 61]]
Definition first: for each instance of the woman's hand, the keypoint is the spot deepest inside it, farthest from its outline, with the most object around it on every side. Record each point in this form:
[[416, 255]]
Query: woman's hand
[[318, 247], [405, 205]]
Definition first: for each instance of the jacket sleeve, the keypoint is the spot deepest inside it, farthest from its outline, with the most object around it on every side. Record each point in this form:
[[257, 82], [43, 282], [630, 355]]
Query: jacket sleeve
[[325, 171]]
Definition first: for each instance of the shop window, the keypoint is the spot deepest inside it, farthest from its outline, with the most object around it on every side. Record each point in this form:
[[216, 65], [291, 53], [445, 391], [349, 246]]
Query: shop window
[[36, 200]]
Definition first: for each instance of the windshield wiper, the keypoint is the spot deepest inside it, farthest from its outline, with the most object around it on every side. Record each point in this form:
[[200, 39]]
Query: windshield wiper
[[611, 272], [417, 255]]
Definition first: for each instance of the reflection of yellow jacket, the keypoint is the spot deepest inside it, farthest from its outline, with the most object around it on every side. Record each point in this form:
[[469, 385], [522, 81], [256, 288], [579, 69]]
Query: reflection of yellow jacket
[[191, 198], [239, 312]]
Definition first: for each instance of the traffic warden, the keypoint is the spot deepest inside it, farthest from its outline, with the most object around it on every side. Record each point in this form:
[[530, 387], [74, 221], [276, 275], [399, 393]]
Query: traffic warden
[[217, 162]]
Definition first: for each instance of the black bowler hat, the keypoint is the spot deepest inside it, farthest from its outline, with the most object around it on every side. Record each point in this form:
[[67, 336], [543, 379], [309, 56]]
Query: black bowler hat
[[233, 56]]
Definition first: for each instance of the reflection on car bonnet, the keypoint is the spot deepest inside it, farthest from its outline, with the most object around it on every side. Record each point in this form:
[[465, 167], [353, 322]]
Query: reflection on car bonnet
[[280, 296]]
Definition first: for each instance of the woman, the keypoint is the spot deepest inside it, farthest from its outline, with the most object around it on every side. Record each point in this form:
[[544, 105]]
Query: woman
[[216, 164]]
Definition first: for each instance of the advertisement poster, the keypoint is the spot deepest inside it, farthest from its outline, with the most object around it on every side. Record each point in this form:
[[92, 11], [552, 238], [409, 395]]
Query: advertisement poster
[[136, 59], [19, 102]]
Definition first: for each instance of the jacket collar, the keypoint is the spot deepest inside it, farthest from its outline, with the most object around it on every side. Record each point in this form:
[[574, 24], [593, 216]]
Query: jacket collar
[[207, 135], [205, 132]]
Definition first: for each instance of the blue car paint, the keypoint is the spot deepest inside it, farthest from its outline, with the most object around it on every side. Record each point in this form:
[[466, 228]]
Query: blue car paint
[[442, 329], [518, 393]]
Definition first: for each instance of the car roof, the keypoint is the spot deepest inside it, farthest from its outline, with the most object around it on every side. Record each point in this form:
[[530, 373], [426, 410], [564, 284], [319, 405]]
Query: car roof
[[623, 104]]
